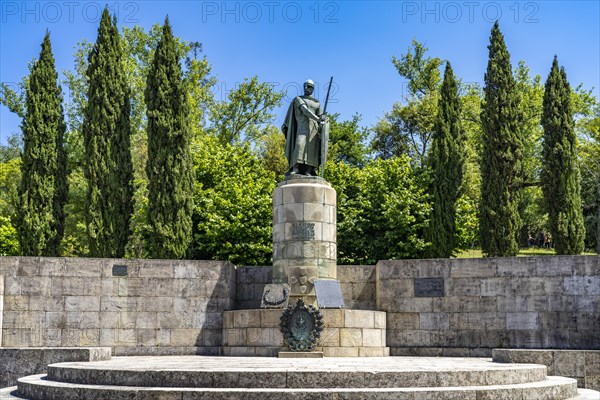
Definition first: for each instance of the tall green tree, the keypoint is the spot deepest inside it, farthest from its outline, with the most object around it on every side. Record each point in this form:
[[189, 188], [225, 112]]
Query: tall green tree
[[560, 169], [43, 189], [170, 167], [501, 154], [408, 127], [234, 204], [106, 132], [248, 108], [447, 161]]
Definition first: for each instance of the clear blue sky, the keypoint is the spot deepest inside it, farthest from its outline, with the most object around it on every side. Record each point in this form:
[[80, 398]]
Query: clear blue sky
[[286, 42]]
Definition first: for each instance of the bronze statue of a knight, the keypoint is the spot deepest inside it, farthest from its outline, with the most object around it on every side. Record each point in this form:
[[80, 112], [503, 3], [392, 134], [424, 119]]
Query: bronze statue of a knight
[[306, 130]]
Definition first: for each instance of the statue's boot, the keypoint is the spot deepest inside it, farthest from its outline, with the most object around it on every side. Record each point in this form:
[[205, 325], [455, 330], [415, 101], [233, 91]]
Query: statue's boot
[[295, 170]]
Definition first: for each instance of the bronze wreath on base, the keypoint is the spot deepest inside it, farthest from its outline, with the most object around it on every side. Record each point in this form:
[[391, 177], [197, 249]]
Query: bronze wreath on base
[[301, 326]]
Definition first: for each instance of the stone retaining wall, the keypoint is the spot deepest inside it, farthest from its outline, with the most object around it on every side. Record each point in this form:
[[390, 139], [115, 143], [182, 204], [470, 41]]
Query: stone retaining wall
[[19, 362], [134, 306], [583, 365], [464, 304], [458, 307]]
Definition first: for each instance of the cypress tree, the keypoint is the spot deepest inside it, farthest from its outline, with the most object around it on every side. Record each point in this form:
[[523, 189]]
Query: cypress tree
[[43, 187], [560, 170], [106, 130], [170, 165], [502, 154], [447, 160]]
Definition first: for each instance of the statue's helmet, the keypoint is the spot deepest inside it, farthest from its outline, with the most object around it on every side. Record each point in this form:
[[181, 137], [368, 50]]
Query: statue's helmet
[[309, 82]]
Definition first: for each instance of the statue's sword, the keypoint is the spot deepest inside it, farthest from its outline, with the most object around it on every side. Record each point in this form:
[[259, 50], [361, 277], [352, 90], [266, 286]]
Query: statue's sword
[[325, 133]]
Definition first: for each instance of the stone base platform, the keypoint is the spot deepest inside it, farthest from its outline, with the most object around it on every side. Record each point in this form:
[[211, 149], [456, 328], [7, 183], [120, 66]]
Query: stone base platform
[[246, 378], [16, 362], [347, 333], [582, 365]]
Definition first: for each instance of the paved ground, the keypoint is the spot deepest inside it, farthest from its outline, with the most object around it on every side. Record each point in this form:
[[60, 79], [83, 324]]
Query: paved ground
[[258, 364]]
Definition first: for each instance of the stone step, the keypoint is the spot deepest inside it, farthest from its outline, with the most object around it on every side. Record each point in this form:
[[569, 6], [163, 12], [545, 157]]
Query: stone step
[[244, 372], [586, 394], [9, 393], [37, 387]]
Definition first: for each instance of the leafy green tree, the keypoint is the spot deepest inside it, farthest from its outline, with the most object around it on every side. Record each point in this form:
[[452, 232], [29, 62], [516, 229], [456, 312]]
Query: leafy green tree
[[501, 164], [200, 85], [589, 151], [560, 169], [233, 197], [106, 132], [271, 147], [13, 99], [249, 106], [530, 92], [43, 189], [347, 140], [170, 165], [408, 128], [467, 206], [382, 211], [447, 161], [10, 174]]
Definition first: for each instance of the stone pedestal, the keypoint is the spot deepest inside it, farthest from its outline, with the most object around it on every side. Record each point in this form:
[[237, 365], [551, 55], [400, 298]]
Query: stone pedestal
[[304, 234], [347, 333]]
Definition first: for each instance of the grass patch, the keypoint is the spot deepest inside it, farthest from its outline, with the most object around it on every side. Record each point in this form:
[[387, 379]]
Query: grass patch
[[532, 251]]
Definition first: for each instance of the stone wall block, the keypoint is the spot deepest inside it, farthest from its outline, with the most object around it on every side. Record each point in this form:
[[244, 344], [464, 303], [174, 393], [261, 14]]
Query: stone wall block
[[314, 212], [330, 337], [303, 193], [434, 321], [9, 265], [587, 265], [359, 319], [234, 337], [159, 268], [462, 287], [372, 338], [12, 286], [264, 337], [82, 303], [592, 362], [569, 363], [270, 318], [403, 321], [554, 266], [36, 286], [28, 266], [85, 267], [522, 321], [351, 337], [472, 270], [185, 337], [380, 320], [334, 317], [16, 303], [523, 266]]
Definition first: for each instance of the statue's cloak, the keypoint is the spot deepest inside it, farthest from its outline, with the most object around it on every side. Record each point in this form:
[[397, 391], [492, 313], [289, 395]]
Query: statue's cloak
[[314, 157], [290, 137]]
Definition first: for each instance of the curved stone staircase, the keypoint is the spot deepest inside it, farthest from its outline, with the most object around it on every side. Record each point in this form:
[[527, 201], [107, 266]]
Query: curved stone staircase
[[253, 378]]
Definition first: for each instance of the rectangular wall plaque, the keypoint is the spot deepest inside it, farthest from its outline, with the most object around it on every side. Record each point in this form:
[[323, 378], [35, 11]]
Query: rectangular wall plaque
[[119, 270], [429, 287], [329, 293], [303, 230]]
